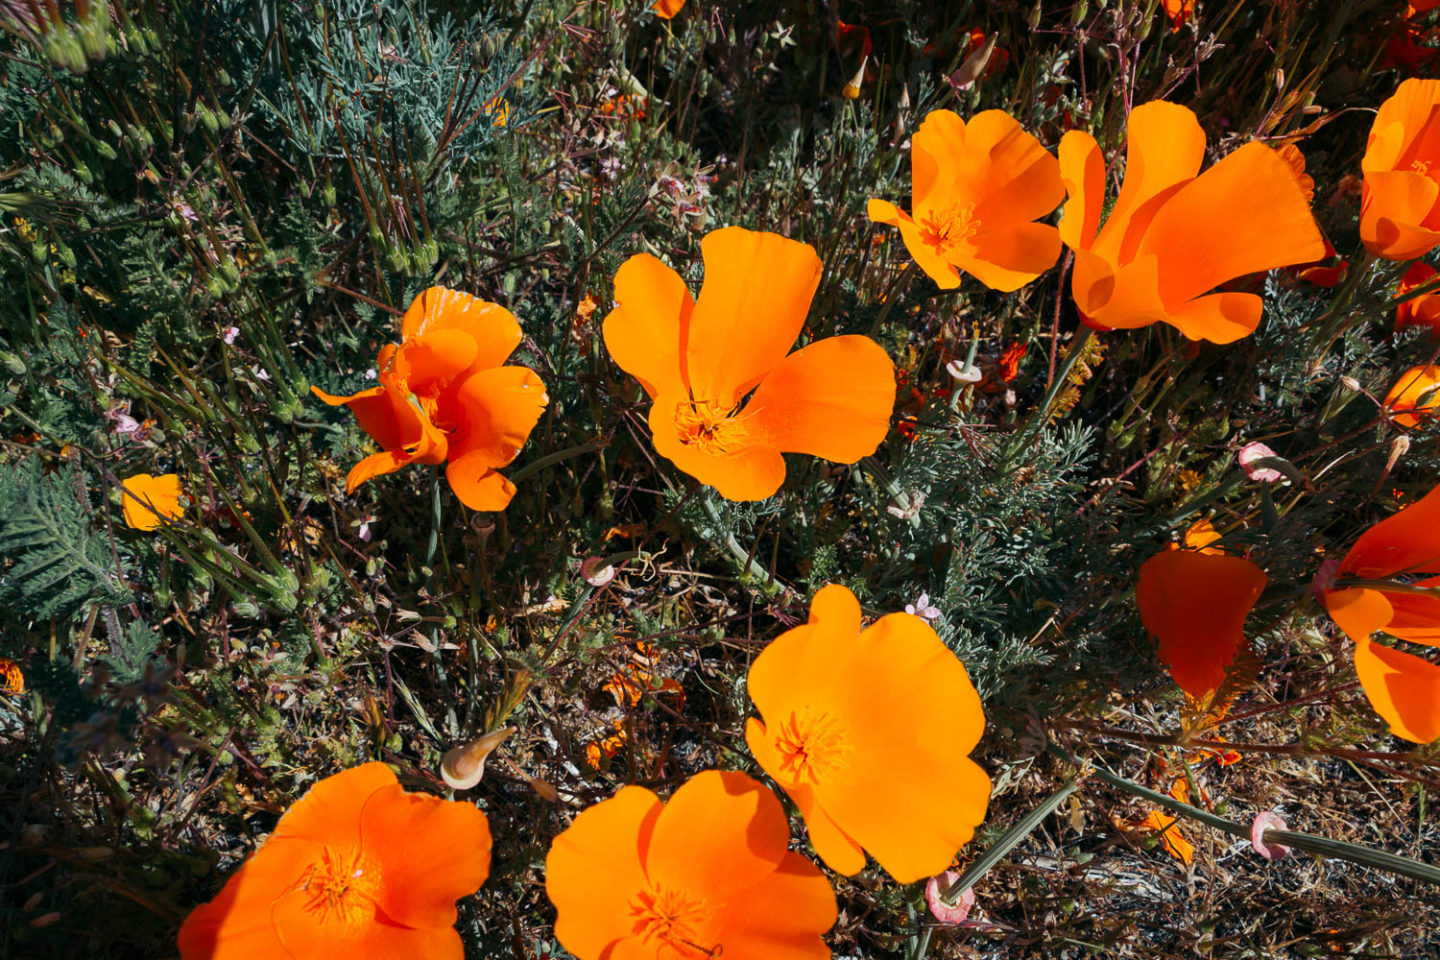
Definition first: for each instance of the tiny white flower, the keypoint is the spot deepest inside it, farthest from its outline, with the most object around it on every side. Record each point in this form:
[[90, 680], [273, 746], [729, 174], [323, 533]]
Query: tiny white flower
[[230, 334], [921, 608]]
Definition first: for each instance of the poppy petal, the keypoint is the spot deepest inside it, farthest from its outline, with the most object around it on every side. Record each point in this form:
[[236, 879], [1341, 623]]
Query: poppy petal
[[1416, 616], [1133, 295], [647, 331], [1015, 178], [1218, 317], [756, 294], [237, 924], [431, 851], [477, 484], [1246, 214], [830, 399], [1164, 146], [1393, 208], [1082, 170], [781, 917], [331, 808], [695, 844], [1404, 689], [1008, 258], [911, 808], [1195, 604], [493, 328], [934, 147], [1410, 109], [1359, 612], [375, 465], [436, 356], [596, 868], [1407, 542], [500, 407]]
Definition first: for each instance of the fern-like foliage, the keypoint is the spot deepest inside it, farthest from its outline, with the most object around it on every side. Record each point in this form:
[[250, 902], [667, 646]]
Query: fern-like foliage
[[54, 562]]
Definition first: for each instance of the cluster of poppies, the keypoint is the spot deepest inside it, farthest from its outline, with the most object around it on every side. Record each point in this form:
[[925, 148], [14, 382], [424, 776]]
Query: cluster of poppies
[[867, 730]]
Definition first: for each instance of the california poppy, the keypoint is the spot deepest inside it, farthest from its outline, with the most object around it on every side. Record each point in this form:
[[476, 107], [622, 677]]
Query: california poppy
[[1415, 396], [1195, 603], [1400, 199], [1172, 237], [869, 733], [1163, 822], [976, 189], [1423, 310], [1403, 549], [12, 678], [150, 501], [444, 394], [708, 874], [665, 9], [1179, 12], [699, 360], [355, 868]]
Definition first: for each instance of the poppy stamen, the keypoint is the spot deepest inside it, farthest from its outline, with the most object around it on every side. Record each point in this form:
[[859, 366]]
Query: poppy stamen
[[672, 917], [339, 886], [702, 425], [954, 226], [812, 745]]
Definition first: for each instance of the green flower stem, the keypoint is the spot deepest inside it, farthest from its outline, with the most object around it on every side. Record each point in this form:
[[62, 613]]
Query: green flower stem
[[1321, 846], [550, 459], [1011, 838]]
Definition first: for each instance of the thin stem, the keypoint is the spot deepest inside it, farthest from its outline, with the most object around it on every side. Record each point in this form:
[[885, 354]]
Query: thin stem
[[1321, 846], [550, 459]]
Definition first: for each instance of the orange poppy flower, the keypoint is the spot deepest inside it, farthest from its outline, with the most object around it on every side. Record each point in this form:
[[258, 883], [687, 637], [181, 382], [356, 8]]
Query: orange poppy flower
[[976, 188], [1173, 236], [355, 868], [869, 733], [12, 678], [445, 396], [1421, 311], [150, 501], [1403, 688], [706, 875], [1195, 604], [1400, 199], [1415, 396], [1179, 12], [665, 9], [698, 359]]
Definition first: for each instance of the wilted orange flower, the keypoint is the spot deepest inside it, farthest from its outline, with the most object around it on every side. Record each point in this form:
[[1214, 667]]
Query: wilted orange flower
[[444, 395], [706, 875], [1199, 536], [665, 9], [1179, 12], [976, 189], [12, 678], [1326, 272], [1421, 311], [1415, 396], [1400, 200], [1195, 604], [1009, 362], [1163, 823], [356, 868], [869, 733], [1404, 550], [1172, 236], [498, 110], [1420, 6], [150, 501], [699, 359]]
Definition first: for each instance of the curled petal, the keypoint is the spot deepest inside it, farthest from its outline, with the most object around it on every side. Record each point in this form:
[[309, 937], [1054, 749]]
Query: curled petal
[[1265, 820], [935, 900]]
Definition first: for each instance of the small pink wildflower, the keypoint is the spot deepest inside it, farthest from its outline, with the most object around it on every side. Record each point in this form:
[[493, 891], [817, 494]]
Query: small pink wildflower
[[921, 608]]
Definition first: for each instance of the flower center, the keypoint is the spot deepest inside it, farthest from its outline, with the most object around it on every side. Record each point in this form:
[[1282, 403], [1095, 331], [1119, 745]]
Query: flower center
[[812, 745], [1421, 167], [702, 424], [954, 226], [672, 918], [339, 887]]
